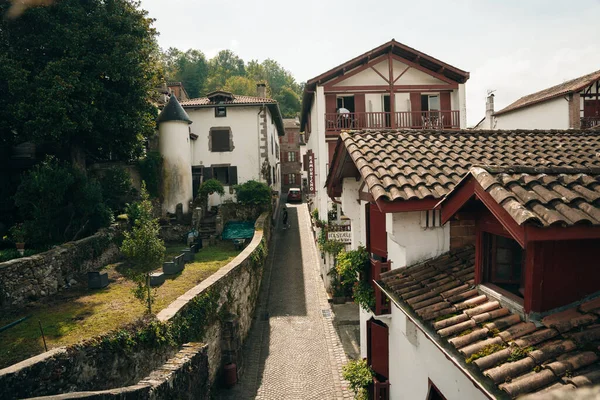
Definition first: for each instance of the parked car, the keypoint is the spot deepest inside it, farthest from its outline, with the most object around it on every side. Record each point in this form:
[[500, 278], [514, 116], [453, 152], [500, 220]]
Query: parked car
[[294, 194]]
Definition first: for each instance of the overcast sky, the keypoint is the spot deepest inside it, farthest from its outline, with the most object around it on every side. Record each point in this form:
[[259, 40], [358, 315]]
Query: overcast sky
[[514, 47]]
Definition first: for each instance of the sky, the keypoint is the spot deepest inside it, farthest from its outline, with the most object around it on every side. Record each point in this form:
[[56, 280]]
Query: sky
[[509, 46]]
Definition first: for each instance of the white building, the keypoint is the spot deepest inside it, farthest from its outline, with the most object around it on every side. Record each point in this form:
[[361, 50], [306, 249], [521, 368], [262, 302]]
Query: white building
[[574, 104], [223, 136], [390, 86], [390, 184]]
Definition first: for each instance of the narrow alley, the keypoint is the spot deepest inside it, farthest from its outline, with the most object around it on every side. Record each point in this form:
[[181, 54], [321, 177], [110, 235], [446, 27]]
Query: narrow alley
[[292, 351]]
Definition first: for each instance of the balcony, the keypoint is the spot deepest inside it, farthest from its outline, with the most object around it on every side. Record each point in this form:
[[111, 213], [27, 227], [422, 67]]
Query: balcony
[[336, 122], [382, 303], [381, 390], [590, 122]]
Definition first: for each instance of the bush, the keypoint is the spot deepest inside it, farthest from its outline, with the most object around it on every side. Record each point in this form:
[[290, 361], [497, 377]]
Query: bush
[[359, 375], [150, 167], [351, 263], [253, 193], [59, 203], [211, 186], [116, 188]]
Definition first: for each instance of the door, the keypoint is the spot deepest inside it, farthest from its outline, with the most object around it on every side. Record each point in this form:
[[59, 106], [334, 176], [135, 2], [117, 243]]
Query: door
[[378, 348], [386, 110]]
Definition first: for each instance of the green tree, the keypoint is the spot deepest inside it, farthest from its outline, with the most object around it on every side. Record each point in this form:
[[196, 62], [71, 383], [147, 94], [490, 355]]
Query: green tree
[[253, 193], [223, 66], [144, 249], [80, 74], [240, 85], [190, 68], [289, 102]]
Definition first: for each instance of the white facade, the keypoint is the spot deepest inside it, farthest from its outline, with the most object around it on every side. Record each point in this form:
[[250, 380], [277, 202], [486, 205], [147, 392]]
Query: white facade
[[174, 145], [551, 114], [246, 123]]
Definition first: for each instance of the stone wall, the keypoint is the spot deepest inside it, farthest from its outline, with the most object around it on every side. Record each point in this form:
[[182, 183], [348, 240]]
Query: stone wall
[[184, 376], [27, 279], [239, 212], [217, 312]]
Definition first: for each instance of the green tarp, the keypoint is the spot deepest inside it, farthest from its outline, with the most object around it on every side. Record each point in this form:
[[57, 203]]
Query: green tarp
[[238, 230]]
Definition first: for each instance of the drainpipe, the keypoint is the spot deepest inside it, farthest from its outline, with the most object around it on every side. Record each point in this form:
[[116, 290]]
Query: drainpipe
[[260, 110]]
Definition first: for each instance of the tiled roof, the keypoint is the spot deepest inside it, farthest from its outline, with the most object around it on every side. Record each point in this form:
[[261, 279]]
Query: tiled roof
[[573, 85], [406, 165], [544, 196], [517, 357], [204, 101]]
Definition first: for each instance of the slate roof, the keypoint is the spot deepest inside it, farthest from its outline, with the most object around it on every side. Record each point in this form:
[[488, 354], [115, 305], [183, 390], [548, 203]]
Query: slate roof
[[237, 99], [574, 85], [416, 165], [517, 357], [544, 196], [173, 112]]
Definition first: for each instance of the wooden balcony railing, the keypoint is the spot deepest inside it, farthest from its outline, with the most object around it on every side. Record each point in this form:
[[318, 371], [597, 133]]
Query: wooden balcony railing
[[589, 122], [382, 303], [447, 119], [381, 390]]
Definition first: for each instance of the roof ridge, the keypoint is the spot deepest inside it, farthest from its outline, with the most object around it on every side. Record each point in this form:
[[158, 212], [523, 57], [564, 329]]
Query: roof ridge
[[528, 169]]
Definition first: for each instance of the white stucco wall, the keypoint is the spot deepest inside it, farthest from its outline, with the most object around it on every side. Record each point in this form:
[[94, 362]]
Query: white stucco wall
[[414, 359], [174, 146], [409, 243], [551, 114], [244, 123], [319, 147]]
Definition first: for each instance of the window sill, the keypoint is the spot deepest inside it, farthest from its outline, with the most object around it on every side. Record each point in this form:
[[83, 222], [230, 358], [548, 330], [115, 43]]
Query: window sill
[[505, 298]]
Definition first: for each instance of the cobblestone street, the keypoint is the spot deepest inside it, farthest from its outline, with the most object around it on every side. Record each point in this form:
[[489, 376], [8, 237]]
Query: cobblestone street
[[293, 351]]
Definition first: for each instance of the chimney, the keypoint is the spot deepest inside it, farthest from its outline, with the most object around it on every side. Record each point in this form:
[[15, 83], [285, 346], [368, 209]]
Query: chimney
[[489, 111], [261, 90]]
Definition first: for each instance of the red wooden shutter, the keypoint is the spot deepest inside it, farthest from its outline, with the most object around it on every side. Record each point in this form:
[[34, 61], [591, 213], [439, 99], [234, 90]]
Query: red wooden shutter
[[415, 107], [331, 150], [330, 103], [377, 233], [359, 108], [445, 107], [378, 347]]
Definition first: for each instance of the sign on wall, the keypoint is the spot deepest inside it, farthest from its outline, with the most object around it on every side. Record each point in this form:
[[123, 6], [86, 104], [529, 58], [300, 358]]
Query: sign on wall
[[311, 172], [342, 237]]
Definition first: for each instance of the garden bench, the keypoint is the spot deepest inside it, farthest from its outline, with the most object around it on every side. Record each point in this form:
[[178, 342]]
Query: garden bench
[[97, 280]]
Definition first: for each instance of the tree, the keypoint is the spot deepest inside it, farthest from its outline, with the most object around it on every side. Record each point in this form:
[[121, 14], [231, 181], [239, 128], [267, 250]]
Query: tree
[[79, 73], [223, 66], [253, 193], [144, 248], [289, 102], [240, 85], [190, 68]]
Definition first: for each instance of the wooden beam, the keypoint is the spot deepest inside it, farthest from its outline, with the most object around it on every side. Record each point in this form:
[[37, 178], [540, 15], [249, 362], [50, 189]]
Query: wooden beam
[[354, 71], [396, 88], [392, 95], [402, 73], [457, 199], [380, 74], [386, 206], [366, 197], [423, 69]]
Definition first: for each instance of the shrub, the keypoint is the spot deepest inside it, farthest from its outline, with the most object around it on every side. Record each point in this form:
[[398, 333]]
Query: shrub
[[315, 214], [59, 203], [359, 375], [150, 167], [364, 295], [210, 186], [253, 193], [351, 263], [116, 188]]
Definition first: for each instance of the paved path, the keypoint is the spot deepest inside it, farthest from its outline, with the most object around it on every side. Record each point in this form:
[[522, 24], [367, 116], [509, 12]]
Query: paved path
[[292, 351]]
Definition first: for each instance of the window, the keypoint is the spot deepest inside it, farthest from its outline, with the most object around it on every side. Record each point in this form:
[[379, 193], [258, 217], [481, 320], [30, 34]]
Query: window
[[277, 150], [430, 102], [225, 174], [220, 111], [291, 179], [503, 263], [220, 139], [197, 173], [291, 156], [433, 393], [431, 219]]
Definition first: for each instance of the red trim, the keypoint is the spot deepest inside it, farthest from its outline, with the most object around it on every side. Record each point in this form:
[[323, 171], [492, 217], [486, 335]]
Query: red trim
[[516, 231], [422, 69], [379, 73], [405, 205], [533, 233], [458, 198], [385, 88], [355, 71], [534, 277], [401, 73]]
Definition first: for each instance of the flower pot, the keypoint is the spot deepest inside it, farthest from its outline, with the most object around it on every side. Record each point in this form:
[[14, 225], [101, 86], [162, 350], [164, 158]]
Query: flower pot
[[20, 247]]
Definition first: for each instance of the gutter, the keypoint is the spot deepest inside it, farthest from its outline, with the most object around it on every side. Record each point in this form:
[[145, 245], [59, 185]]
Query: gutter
[[458, 363]]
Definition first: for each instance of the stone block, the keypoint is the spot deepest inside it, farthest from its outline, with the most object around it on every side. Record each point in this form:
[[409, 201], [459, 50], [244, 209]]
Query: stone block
[[179, 260], [97, 280], [171, 268], [157, 278]]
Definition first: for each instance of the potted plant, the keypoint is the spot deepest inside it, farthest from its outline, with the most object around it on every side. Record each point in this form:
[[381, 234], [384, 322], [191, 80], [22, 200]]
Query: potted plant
[[17, 234]]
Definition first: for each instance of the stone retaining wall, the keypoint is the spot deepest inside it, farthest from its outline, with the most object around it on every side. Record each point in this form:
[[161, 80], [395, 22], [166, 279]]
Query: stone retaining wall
[[27, 279], [218, 312]]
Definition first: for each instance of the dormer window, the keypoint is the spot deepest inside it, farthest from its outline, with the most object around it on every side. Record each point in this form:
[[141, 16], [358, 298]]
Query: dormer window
[[220, 111], [503, 263]]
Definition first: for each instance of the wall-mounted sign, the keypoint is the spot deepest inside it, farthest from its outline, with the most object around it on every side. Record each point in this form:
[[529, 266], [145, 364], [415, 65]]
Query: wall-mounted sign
[[311, 172], [342, 237]]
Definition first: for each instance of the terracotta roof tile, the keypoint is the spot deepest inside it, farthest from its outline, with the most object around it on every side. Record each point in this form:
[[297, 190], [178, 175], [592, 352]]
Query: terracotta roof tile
[[519, 357], [237, 99], [406, 165], [573, 85]]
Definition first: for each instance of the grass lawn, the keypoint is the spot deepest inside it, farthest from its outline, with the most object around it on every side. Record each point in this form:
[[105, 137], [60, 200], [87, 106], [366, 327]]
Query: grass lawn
[[79, 313]]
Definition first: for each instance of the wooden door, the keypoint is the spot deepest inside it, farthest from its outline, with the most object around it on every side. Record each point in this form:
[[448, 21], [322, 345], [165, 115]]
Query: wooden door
[[378, 348]]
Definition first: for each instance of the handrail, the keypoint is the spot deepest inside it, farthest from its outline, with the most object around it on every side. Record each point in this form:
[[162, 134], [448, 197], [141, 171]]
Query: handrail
[[443, 119]]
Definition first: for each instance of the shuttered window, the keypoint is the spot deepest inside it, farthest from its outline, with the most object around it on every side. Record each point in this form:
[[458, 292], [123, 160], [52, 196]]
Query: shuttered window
[[220, 140], [227, 175]]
